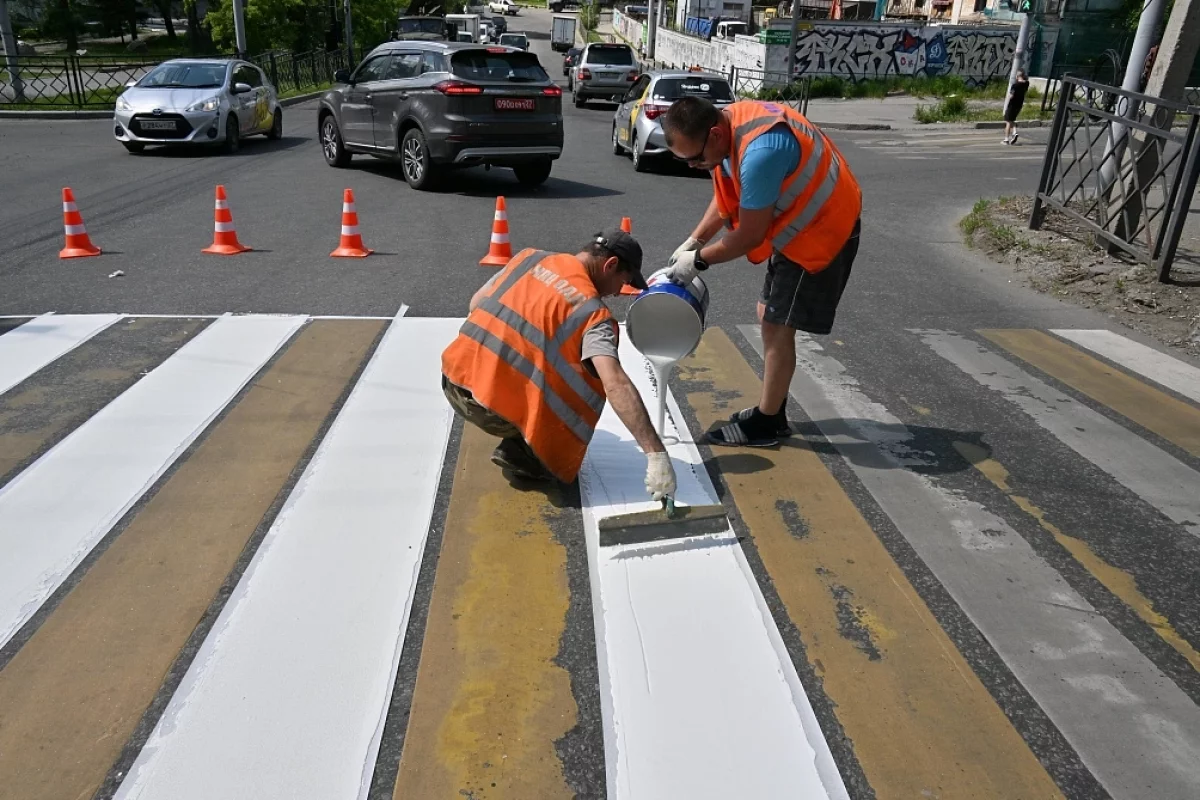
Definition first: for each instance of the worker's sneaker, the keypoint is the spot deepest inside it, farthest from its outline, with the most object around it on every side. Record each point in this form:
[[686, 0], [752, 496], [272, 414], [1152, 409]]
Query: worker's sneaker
[[1014, 138], [757, 431], [782, 428], [516, 457]]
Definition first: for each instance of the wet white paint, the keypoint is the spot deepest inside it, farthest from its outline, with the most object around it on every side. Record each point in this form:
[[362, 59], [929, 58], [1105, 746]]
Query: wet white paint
[[27, 348], [54, 512], [1161, 368], [288, 694], [699, 697], [1084, 674]]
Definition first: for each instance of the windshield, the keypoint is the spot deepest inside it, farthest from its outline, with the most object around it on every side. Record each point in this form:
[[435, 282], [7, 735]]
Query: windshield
[[485, 65], [514, 39], [714, 89], [617, 54], [420, 26], [184, 76]]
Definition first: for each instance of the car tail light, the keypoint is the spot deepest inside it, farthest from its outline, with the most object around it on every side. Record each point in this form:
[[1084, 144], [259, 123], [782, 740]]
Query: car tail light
[[497, 50], [457, 88], [653, 110], [552, 91], [585, 74], [633, 76]]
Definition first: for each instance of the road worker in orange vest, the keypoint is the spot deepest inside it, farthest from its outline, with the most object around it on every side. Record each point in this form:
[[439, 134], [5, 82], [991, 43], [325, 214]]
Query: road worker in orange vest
[[786, 196], [537, 358]]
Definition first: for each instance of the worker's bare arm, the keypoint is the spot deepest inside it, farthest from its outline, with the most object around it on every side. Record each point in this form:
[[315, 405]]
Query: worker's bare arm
[[627, 403]]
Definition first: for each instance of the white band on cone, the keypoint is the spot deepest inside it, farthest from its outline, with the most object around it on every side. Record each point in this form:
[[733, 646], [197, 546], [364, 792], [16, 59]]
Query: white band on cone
[[69, 206], [347, 208], [222, 204], [224, 227], [501, 215], [349, 230], [499, 238], [75, 230]]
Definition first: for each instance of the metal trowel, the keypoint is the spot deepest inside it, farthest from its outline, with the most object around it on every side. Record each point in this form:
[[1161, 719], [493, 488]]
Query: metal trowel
[[669, 522]]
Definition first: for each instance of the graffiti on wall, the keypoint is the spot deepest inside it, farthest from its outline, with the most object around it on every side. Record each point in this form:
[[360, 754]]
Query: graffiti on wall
[[862, 53]]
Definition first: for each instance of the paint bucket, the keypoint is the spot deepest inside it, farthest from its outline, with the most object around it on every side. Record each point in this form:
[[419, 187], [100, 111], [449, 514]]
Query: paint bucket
[[666, 320], [665, 323]]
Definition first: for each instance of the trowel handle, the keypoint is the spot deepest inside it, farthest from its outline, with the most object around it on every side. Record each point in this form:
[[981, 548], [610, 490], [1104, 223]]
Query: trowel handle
[[669, 506]]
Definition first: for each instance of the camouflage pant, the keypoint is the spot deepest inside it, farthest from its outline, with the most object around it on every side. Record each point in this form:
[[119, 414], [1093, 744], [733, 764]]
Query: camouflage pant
[[465, 406]]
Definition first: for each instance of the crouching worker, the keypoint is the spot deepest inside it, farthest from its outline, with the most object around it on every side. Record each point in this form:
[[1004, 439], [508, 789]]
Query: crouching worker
[[537, 358]]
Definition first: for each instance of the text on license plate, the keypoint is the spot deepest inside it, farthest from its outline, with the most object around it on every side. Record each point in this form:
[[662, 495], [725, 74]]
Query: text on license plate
[[514, 104], [158, 124]]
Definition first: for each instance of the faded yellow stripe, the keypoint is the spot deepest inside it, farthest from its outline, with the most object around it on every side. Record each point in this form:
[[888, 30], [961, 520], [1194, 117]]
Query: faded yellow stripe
[[1154, 410], [920, 721], [72, 696], [1117, 581], [489, 700]]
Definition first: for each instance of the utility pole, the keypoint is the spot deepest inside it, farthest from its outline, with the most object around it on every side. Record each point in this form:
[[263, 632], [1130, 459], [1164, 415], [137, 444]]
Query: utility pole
[[349, 33], [239, 28], [793, 40], [1020, 55], [652, 12], [1177, 52], [10, 54]]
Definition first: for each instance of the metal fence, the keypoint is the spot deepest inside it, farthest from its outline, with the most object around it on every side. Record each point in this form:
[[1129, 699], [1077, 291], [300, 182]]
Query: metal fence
[[68, 81], [1119, 163], [756, 84], [86, 82]]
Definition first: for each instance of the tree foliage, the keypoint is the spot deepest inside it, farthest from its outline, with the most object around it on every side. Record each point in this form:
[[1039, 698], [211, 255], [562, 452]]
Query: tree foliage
[[303, 25]]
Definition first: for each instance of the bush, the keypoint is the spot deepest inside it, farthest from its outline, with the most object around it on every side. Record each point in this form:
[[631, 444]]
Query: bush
[[954, 106]]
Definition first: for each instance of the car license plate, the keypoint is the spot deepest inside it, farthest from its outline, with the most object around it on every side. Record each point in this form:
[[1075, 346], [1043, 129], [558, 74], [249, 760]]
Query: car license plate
[[514, 104], [158, 124], [609, 76]]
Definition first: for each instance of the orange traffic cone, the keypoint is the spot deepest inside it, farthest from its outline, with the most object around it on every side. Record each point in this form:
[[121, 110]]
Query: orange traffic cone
[[78, 244], [500, 250], [627, 226], [225, 241], [351, 243]]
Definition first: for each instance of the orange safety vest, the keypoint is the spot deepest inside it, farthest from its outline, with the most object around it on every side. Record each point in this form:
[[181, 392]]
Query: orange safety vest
[[818, 203], [520, 354]]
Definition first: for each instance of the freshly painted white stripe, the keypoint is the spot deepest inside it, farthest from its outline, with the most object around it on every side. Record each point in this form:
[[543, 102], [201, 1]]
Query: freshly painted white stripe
[[69, 206], [74, 230], [698, 694], [288, 694], [1160, 479], [27, 348], [1176, 375], [53, 513], [224, 227], [1132, 726]]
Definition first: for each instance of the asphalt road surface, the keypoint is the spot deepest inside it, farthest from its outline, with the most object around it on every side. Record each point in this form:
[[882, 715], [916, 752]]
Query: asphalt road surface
[[246, 551]]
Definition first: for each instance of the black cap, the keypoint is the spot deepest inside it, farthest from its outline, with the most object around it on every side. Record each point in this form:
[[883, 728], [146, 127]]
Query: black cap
[[625, 247]]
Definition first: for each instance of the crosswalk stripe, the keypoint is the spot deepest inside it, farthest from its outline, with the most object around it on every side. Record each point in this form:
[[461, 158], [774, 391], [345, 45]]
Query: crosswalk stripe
[[287, 695], [26, 349], [1161, 368], [105, 465], [1158, 478], [80, 685], [1087, 677], [699, 696], [916, 715], [490, 702], [1174, 420], [57, 398]]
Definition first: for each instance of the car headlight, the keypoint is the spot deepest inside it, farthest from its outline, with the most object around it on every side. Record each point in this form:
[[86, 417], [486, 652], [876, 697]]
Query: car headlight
[[123, 104], [211, 104]]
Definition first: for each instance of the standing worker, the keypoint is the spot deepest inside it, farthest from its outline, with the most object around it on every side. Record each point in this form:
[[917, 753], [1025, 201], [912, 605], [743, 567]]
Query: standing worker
[[1013, 105], [786, 196], [537, 358]]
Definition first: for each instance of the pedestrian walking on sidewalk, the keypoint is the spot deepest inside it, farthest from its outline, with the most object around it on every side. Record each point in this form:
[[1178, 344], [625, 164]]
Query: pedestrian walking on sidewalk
[[787, 197], [1013, 105], [536, 360]]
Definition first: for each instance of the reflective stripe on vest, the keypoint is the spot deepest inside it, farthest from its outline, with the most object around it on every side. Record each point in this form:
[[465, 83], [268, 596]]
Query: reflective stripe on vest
[[527, 368]]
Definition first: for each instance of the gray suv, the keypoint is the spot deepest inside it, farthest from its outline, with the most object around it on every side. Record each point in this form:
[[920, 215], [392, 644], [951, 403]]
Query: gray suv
[[436, 106], [604, 70]]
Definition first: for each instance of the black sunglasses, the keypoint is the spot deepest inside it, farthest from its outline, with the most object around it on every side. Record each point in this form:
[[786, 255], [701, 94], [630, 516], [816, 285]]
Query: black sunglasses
[[699, 156]]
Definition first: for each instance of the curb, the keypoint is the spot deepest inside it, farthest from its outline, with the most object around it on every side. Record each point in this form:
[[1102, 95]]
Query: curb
[[852, 126], [1033, 123], [107, 113]]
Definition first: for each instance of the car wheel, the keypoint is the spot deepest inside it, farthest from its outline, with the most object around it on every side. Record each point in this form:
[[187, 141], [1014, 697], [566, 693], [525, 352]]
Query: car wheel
[[276, 131], [414, 155], [534, 173], [331, 143], [134, 147], [232, 136], [580, 100], [617, 149], [639, 163]]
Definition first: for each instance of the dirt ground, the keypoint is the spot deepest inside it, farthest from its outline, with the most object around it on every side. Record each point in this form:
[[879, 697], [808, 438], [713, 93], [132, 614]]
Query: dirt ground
[[1061, 259]]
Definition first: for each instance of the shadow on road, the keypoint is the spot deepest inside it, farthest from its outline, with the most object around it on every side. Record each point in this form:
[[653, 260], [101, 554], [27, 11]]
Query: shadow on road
[[257, 146], [478, 182]]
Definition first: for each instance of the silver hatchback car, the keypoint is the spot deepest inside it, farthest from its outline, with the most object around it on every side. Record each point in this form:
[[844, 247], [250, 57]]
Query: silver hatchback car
[[189, 101], [637, 127]]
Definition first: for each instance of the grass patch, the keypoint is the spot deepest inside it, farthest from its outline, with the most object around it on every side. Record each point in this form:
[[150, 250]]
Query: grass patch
[[923, 86], [97, 100], [976, 219], [979, 228], [305, 90], [158, 45], [957, 109]]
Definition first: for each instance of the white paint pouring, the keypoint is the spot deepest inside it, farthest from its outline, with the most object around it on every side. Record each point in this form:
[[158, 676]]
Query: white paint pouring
[[698, 694]]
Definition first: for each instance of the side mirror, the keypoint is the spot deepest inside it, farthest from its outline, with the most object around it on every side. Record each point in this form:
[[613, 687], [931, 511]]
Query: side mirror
[[242, 88], [341, 76]]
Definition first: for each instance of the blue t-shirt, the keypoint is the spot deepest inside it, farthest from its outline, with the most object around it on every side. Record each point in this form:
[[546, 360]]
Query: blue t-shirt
[[769, 159]]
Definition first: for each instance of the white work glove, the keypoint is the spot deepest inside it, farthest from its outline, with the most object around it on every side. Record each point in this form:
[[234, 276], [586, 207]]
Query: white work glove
[[660, 475], [681, 270], [691, 244]]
